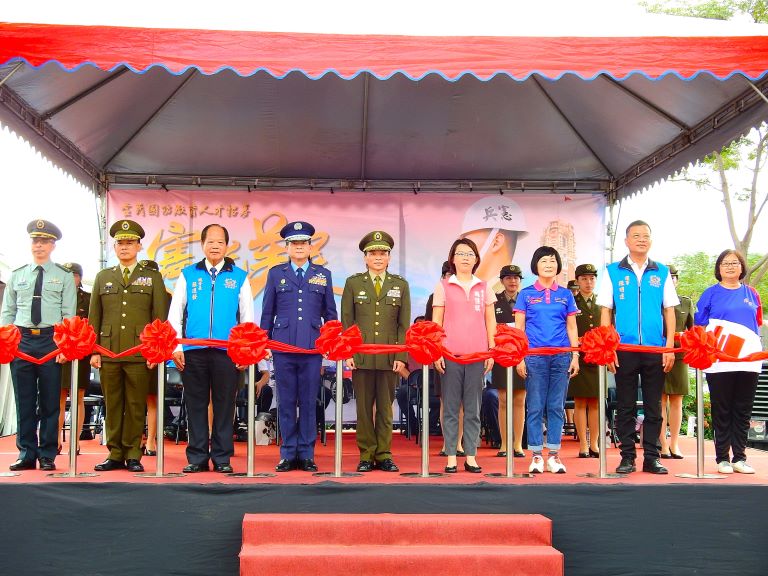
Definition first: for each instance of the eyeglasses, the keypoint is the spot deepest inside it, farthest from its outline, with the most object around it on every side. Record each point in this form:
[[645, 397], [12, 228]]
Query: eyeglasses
[[730, 264], [465, 254]]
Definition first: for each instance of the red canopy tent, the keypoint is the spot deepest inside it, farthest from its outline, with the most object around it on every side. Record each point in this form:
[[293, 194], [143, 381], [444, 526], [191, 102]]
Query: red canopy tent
[[165, 107]]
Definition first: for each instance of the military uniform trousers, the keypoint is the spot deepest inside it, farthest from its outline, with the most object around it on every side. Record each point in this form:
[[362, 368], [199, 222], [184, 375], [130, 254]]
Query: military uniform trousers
[[125, 386], [374, 439], [37, 390], [297, 378], [210, 376]]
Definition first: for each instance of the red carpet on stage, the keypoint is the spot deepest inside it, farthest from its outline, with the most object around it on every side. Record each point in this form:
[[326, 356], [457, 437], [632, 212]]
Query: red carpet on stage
[[406, 453], [389, 544]]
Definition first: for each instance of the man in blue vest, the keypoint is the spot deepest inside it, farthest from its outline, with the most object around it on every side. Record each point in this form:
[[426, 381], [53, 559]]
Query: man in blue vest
[[638, 295], [298, 298], [215, 295]]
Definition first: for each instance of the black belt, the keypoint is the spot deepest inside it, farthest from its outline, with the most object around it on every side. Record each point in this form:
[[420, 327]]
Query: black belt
[[36, 331]]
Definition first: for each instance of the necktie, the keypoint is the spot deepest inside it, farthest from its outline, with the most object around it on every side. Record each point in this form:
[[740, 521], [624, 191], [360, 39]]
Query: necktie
[[37, 298], [300, 274], [126, 276], [213, 274], [377, 284]]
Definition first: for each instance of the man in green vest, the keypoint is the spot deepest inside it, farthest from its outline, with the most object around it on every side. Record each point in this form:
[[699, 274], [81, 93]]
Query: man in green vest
[[380, 304], [125, 299]]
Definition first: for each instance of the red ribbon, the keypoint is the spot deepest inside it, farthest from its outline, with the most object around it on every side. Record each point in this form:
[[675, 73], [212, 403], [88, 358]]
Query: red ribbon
[[335, 343], [700, 347], [511, 345], [424, 342], [10, 336], [158, 341], [247, 344], [74, 337], [599, 345]]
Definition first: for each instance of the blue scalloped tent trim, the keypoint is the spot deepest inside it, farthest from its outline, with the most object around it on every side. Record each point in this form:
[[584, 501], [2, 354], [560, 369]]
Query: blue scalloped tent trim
[[454, 78]]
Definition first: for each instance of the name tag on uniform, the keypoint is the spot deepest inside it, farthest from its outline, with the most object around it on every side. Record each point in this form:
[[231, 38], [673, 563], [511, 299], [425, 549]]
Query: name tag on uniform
[[143, 281], [394, 293]]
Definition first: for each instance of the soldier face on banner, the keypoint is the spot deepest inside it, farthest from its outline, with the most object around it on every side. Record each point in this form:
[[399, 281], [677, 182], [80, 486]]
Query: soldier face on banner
[[215, 245], [127, 251], [42, 248], [511, 284], [586, 283], [298, 251], [376, 260]]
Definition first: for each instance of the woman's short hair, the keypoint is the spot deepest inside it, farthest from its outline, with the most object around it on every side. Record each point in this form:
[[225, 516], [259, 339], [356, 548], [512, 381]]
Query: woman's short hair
[[722, 256], [542, 251], [452, 253]]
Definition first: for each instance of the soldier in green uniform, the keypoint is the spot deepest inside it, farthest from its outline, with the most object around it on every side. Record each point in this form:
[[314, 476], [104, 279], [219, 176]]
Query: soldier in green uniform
[[676, 380], [584, 386], [125, 298], [380, 304], [510, 277], [83, 366], [38, 296]]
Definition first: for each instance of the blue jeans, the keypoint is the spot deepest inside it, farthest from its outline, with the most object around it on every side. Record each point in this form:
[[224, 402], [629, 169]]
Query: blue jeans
[[547, 387]]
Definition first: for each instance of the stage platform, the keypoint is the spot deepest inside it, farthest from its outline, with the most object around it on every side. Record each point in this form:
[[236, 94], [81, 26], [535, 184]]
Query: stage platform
[[117, 523]]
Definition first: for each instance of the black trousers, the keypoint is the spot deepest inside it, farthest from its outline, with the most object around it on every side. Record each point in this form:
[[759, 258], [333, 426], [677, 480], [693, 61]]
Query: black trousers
[[209, 375], [37, 390], [650, 371], [732, 395]]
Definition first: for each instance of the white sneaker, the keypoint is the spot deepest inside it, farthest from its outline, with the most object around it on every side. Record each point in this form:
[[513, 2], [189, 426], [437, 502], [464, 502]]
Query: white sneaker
[[554, 465], [537, 465], [742, 467], [724, 467]]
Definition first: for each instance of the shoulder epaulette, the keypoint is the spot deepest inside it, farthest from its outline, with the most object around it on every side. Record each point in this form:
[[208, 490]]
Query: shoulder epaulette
[[63, 268]]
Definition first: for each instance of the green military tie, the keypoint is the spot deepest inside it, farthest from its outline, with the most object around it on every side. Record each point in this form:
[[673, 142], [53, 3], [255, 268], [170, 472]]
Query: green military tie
[[377, 284], [126, 275]]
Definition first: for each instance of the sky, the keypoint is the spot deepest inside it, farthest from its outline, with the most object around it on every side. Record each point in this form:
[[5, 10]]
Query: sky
[[683, 218]]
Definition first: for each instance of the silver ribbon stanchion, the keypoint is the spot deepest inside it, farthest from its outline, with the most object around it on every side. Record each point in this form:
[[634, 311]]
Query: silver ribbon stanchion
[[251, 416], [510, 421], [160, 440], [337, 473], [603, 445], [700, 434], [74, 429], [425, 473]]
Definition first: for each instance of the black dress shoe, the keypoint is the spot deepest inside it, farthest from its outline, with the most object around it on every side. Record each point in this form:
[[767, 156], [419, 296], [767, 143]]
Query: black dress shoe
[[520, 454], [654, 467], [450, 469], [441, 453], [667, 456], [308, 465], [594, 453], [473, 469], [583, 454], [47, 464], [285, 465], [460, 453], [195, 468], [626, 466], [134, 465], [676, 456], [23, 465], [150, 452], [223, 468], [109, 465], [501, 454], [387, 466], [365, 466]]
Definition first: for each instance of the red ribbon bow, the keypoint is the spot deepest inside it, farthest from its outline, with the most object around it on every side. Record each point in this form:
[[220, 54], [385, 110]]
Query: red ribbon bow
[[247, 344], [599, 345], [158, 341], [700, 347], [335, 343], [424, 341], [511, 345], [10, 336], [74, 337]]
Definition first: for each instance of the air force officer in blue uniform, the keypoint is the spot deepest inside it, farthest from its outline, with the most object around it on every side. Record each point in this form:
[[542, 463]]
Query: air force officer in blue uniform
[[298, 298]]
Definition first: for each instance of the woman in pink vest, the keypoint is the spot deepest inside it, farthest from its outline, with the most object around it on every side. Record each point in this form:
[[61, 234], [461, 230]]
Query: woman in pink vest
[[464, 306]]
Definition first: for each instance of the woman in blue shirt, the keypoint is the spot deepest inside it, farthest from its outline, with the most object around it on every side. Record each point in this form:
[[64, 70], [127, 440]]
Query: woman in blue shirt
[[547, 314]]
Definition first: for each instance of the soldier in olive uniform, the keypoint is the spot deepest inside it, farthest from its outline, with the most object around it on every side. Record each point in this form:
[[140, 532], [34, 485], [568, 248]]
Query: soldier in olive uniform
[[125, 299], [83, 366], [676, 380], [380, 304], [584, 386], [510, 277]]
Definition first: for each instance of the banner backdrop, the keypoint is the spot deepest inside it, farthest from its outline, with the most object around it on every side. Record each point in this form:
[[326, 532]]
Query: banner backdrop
[[506, 230]]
